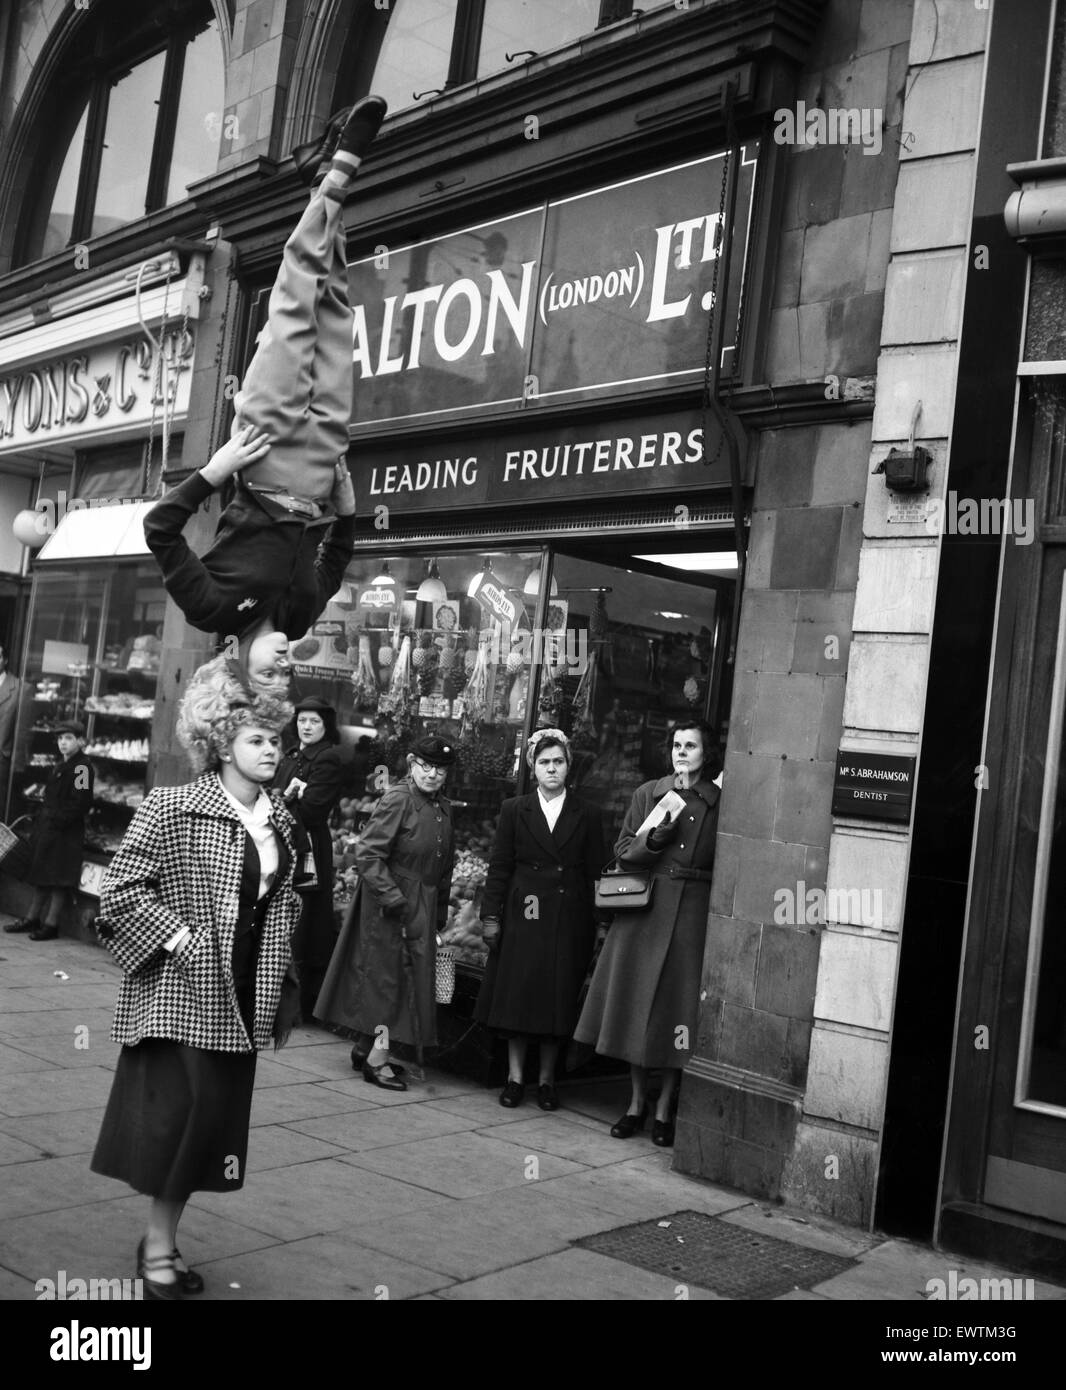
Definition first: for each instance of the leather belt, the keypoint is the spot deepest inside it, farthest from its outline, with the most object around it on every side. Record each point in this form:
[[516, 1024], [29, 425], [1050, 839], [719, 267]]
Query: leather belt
[[678, 871], [301, 506]]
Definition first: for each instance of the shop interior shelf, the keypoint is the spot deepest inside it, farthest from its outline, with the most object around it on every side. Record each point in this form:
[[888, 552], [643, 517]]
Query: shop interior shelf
[[110, 758], [120, 714]]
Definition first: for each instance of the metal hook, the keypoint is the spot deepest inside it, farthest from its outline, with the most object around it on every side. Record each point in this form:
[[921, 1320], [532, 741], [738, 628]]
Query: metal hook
[[916, 415], [521, 53]]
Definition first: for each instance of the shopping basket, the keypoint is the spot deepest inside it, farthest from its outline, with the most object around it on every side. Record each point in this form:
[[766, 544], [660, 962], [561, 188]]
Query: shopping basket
[[15, 846]]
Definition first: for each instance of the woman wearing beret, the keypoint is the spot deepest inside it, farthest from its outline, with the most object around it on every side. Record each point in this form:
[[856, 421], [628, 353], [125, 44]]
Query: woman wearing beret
[[197, 907], [539, 903], [405, 857], [311, 779], [58, 837], [643, 999]]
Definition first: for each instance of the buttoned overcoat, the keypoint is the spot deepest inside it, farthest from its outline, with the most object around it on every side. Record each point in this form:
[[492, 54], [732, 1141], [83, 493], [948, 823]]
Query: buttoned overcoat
[[540, 886], [58, 840], [179, 865], [643, 1000], [404, 858]]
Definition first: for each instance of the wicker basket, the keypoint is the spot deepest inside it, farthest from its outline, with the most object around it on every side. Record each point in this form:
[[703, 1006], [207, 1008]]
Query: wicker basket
[[15, 847], [445, 976]]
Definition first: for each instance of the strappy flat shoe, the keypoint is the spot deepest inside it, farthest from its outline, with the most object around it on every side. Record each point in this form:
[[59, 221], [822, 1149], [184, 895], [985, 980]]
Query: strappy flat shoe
[[155, 1288], [387, 1083], [188, 1279], [359, 1061]]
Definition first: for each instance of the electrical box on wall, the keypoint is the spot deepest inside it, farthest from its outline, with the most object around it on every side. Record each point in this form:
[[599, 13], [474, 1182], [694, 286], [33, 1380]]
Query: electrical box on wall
[[906, 471]]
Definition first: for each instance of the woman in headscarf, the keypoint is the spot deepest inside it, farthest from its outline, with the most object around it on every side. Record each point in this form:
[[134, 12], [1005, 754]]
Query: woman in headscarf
[[538, 903], [197, 907]]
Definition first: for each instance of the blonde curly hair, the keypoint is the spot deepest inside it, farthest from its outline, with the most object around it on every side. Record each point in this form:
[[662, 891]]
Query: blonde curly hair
[[215, 705]]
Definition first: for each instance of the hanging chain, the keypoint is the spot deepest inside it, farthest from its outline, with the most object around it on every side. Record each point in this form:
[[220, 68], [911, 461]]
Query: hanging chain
[[155, 386], [723, 232], [221, 347]]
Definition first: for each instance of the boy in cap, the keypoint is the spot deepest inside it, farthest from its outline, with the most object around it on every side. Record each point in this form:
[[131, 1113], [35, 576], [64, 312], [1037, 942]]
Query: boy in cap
[[58, 837], [284, 542]]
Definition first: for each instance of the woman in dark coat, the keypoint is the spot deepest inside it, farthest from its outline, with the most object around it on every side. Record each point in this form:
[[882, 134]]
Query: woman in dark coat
[[643, 999], [405, 858], [311, 779], [538, 901], [198, 908], [58, 838]]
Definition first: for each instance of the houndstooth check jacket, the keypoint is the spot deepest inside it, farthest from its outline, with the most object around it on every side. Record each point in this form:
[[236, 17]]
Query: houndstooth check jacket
[[179, 865]]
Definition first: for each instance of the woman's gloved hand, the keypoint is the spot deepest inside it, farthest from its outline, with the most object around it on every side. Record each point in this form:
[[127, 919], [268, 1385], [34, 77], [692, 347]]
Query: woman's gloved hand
[[663, 833], [490, 932]]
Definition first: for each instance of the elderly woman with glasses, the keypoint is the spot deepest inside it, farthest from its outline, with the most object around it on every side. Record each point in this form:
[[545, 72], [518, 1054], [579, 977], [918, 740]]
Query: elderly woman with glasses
[[404, 858]]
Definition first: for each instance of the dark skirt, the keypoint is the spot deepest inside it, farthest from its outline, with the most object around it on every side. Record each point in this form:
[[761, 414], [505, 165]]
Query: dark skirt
[[177, 1120]]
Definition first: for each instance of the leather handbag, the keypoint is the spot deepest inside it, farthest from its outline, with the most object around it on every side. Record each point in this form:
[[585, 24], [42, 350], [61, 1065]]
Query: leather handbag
[[623, 890]]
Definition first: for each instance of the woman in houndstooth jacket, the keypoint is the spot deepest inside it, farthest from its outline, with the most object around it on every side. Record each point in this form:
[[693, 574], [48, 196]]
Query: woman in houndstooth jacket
[[198, 909]]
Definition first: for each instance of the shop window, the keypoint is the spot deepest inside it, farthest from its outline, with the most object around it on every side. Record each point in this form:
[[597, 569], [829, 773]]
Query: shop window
[[412, 49], [138, 118], [462, 645], [92, 653]]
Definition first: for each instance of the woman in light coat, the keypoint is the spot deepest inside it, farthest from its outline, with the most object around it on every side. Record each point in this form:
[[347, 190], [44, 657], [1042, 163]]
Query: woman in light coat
[[389, 939], [198, 909], [643, 1000]]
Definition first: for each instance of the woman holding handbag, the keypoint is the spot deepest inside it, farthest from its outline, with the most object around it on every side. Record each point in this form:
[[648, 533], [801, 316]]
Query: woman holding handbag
[[197, 907], [642, 1002], [311, 779], [538, 901]]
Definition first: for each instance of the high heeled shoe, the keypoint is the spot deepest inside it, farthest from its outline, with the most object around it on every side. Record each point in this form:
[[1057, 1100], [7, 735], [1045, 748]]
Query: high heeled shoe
[[188, 1279], [629, 1125], [155, 1288]]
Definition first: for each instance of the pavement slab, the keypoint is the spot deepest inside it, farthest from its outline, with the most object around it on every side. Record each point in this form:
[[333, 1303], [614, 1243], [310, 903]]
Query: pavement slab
[[326, 1267], [464, 1165], [51, 1184], [568, 1138], [42, 1092], [58, 1133], [55, 1023], [277, 1146], [15, 1151], [18, 1061], [15, 1287], [279, 1105], [482, 1234], [314, 1198], [384, 1126], [633, 1190], [815, 1233], [317, 1060], [577, 1276], [482, 1107], [93, 1049], [900, 1270], [435, 1087]]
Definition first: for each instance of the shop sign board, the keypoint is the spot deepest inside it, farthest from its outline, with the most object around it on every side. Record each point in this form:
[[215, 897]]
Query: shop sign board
[[875, 786], [109, 386], [579, 298], [540, 459]]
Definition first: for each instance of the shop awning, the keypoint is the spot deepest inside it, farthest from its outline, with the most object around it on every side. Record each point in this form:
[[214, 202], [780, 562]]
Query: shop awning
[[99, 533]]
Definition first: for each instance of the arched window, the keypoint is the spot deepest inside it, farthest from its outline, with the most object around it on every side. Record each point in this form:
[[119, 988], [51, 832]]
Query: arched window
[[138, 118], [411, 49]]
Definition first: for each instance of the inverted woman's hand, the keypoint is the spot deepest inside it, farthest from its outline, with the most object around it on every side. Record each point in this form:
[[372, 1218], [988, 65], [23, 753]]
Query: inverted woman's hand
[[343, 490], [247, 446]]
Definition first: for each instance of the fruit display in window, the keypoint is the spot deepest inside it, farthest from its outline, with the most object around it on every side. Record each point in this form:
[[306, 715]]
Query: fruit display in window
[[395, 699], [364, 679]]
